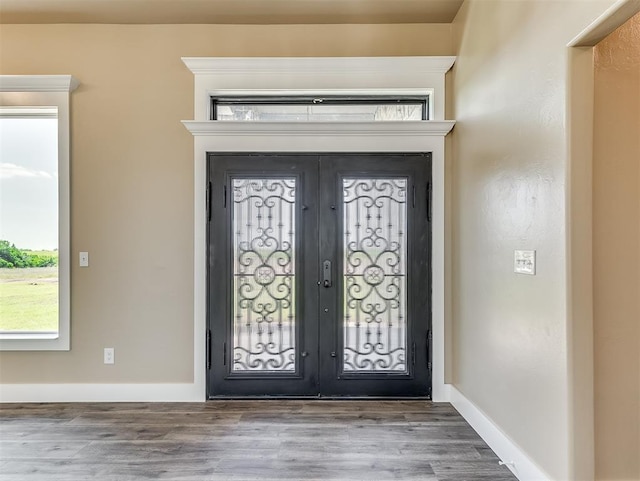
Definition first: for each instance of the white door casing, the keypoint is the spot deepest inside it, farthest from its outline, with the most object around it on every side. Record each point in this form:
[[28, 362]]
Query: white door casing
[[319, 76]]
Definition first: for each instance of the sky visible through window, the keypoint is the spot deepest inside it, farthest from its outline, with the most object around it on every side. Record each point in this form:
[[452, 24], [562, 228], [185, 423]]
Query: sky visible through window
[[29, 285], [29, 182]]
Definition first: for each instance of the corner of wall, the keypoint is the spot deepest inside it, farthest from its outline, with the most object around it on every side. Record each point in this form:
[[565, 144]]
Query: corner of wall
[[579, 255]]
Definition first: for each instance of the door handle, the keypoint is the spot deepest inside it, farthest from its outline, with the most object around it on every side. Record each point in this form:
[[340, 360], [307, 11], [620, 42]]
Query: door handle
[[326, 273]]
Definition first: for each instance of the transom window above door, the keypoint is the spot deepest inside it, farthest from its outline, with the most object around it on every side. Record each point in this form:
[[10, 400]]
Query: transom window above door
[[320, 108]]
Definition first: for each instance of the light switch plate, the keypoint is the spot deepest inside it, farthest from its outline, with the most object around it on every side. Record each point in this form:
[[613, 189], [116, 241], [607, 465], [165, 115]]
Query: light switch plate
[[109, 355], [524, 262], [84, 259]]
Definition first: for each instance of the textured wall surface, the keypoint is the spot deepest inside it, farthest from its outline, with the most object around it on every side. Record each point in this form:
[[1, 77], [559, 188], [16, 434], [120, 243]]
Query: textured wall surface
[[616, 252], [508, 192]]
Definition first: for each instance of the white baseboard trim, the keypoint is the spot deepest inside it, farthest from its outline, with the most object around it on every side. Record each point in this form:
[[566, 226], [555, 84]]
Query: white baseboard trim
[[523, 467], [30, 393]]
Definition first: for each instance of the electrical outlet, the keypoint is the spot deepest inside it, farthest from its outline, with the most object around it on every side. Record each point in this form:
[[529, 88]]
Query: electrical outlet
[[109, 355]]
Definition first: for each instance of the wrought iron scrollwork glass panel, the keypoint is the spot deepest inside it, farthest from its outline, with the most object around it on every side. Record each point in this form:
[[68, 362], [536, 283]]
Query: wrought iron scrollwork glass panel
[[374, 278], [264, 323]]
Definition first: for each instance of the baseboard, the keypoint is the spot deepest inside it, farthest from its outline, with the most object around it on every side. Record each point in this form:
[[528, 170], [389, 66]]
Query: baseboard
[[23, 393], [521, 465]]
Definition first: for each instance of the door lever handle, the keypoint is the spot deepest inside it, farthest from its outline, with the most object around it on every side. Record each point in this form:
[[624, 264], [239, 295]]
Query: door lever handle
[[326, 273]]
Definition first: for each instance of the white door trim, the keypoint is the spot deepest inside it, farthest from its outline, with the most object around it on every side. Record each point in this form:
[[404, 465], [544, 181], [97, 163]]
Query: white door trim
[[292, 75]]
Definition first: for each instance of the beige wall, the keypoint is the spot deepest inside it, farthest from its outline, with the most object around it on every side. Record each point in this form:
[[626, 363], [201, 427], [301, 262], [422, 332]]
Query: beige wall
[[579, 261], [616, 253], [132, 176], [510, 339]]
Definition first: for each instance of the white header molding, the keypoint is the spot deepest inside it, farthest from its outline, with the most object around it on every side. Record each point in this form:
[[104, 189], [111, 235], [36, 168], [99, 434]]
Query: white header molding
[[413, 66], [37, 83]]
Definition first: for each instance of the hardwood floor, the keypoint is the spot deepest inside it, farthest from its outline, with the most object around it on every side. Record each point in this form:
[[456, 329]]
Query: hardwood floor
[[243, 440]]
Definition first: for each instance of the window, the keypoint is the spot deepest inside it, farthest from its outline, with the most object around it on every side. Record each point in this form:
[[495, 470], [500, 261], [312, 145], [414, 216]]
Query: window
[[29, 227], [320, 109], [34, 212]]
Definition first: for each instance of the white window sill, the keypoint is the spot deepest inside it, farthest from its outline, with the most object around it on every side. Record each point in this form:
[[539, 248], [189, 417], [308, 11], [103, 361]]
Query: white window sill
[[28, 335], [34, 341]]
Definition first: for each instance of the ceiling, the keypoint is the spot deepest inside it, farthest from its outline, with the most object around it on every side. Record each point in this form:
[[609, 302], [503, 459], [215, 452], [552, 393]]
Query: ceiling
[[228, 11]]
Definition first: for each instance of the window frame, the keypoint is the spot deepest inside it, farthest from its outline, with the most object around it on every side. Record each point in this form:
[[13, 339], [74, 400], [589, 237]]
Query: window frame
[[220, 100], [48, 91]]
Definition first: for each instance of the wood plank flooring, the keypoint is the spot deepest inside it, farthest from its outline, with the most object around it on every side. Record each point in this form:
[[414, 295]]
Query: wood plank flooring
[[243, 440]]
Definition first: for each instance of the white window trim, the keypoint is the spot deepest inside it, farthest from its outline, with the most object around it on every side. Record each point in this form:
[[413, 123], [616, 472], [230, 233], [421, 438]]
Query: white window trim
[[319, 75], [48, 91], [293, 76]]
